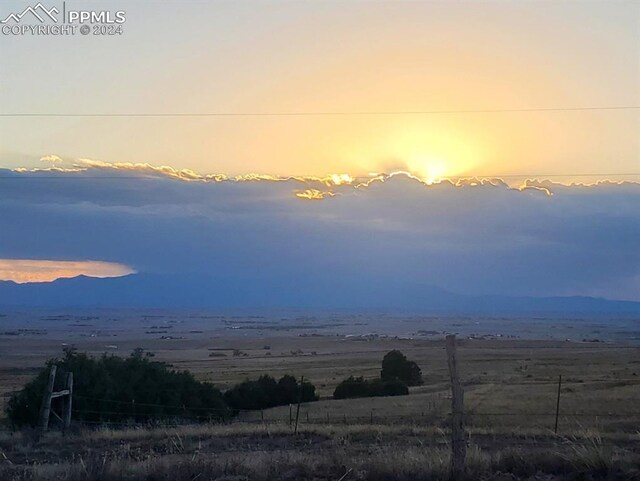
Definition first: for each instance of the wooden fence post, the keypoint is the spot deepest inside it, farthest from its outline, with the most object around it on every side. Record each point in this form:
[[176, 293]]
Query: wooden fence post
[[45, 409], [555, 429], [458, 438], [68, 399], [298, 407]]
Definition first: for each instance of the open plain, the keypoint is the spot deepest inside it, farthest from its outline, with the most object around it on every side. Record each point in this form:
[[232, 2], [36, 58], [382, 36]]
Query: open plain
[[509, 371]]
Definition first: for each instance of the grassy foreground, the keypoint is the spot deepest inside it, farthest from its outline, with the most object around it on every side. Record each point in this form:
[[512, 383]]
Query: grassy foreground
[[510, 398], [264, 452]]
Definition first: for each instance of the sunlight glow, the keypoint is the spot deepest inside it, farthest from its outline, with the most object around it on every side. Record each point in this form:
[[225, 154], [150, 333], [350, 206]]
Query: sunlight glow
[[429, 168], [340, 179], [428, 149]]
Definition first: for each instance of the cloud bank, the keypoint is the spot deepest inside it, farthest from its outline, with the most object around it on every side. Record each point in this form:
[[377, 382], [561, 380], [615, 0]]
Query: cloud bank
[[323, 238]]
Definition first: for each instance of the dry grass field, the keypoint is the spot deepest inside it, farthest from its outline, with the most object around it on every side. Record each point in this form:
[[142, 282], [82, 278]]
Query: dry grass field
[[265, 452], [510, 400]]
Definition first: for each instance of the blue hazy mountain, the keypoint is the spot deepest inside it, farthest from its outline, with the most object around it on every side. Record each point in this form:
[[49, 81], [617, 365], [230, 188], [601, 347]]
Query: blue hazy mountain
[[145, 290]]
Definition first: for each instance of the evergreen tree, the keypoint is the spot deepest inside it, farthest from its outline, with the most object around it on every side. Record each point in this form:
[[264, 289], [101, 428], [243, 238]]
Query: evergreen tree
[[395, 365], [115, 389]]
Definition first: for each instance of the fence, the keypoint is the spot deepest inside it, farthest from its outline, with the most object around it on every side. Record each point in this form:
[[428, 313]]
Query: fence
[[419, 412]]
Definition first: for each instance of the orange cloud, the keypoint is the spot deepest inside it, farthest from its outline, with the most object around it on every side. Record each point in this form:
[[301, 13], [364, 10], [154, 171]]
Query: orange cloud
[[34, 270]]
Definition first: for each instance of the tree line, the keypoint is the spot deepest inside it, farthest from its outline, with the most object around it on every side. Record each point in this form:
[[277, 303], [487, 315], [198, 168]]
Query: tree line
[[138, 388]]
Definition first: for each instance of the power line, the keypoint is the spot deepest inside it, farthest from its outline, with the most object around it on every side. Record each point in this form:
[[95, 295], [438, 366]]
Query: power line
[[315, 114]]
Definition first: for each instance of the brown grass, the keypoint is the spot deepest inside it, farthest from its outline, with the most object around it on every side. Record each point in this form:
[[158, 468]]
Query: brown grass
[[273, 452]]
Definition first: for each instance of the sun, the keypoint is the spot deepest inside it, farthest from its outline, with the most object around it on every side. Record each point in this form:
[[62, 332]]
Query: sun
[[429, 168], [430, 150]]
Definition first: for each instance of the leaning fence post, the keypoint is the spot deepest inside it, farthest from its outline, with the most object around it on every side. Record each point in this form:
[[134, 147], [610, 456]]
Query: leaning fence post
[[45, 409], [68, 399], [458, 441]]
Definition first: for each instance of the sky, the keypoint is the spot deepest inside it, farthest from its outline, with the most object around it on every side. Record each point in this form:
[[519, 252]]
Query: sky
[[362, 156], [389, 235], [341, 57]]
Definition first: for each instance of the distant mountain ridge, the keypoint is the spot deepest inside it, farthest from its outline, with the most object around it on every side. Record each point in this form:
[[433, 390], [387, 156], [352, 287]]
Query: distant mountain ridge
[[149, 291]]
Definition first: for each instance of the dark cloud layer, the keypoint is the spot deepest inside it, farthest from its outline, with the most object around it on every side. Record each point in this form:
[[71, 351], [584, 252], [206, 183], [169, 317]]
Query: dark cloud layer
[[395, 234]]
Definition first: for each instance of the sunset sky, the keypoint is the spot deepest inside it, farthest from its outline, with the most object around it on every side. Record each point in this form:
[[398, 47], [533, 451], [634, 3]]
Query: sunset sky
[[339, 95], [342, 57]]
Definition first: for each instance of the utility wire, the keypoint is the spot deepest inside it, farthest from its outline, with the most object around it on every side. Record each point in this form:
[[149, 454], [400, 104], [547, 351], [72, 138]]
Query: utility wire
[[314, 114]]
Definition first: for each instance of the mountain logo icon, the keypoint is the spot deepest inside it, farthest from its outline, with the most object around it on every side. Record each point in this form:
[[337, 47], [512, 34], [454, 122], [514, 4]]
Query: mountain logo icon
[[38, 11]]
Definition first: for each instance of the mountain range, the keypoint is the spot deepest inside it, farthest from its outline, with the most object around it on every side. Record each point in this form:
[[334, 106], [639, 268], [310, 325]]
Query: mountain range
[[158, 291]]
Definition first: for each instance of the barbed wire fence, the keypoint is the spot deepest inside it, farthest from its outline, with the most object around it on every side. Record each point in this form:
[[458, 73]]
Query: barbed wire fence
[[432, 411]]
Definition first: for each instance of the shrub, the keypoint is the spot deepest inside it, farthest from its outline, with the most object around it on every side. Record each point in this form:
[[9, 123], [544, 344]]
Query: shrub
[[393, 387], [114, 389], [356, 387], [266, 392], [351, 387], [395, 365]]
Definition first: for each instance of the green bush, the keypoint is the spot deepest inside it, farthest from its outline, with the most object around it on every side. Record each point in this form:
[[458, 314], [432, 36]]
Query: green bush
[[351, 387], [392, 387], [397, 373], [115, 389], [356, 387], [395, 365], [266, 393]]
